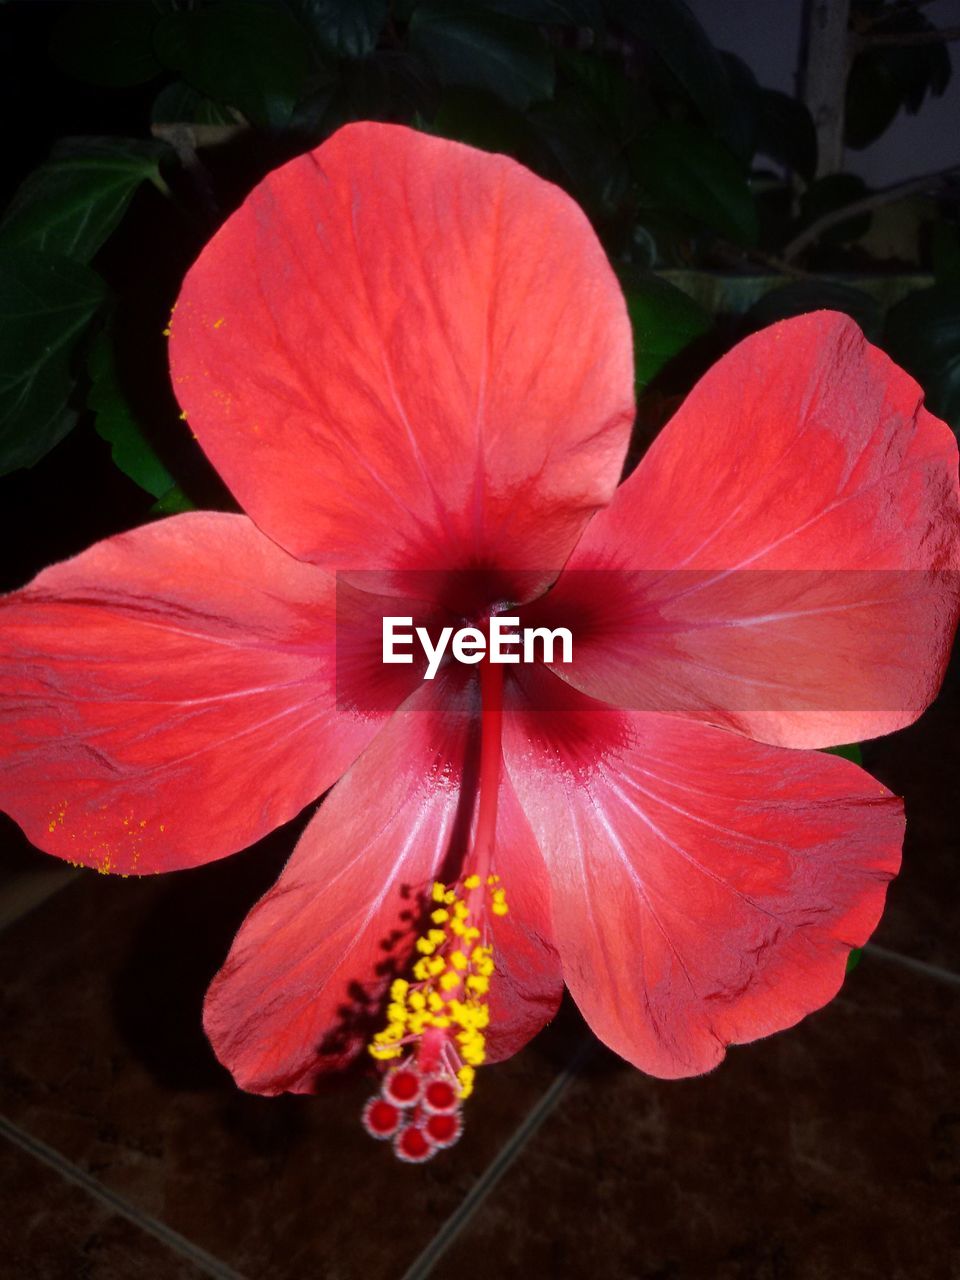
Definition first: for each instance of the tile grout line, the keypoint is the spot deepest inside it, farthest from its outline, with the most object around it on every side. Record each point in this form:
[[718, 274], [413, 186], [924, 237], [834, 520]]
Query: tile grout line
[[918, 966], [423, 1265], [176, 1243], [425, 1262]]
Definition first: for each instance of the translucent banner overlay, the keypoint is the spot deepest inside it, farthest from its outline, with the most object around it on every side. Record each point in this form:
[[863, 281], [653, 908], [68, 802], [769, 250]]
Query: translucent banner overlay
[[713, 643]]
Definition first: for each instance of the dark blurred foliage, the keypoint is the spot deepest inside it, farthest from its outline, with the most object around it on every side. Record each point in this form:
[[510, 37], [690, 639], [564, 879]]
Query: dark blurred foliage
[[135, 126]]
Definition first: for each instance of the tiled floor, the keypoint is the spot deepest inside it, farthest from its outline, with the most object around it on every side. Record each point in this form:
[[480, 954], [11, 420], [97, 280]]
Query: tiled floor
[[829, 1151]]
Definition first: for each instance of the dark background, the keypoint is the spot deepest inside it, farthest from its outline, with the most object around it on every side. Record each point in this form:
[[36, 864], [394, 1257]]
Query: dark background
[[125, 1150]]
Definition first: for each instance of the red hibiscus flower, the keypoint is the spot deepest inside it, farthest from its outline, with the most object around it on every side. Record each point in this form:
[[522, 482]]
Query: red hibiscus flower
[[411, 363]]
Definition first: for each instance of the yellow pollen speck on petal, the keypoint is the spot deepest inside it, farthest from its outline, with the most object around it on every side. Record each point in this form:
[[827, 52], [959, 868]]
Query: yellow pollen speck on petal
[[166, 333], [472, 882], [218, 323], [459, 960], [440, 916]]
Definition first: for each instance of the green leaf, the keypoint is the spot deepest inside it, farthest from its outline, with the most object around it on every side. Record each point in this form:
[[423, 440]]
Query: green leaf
[[179, 103], [723, 294], [391, 84], [887, 77], [115, 422], [172, 503], [801, 296], [681, 168], [567, 13], [923, 334], [475, 50], [664, 320], [107, 42], [786, 132], [669, 27], [853, 959], [945, 250], [599, 86], [347, 28], [248, 55], [46, 304], [849, 752], [740, 131], [72, 203], [466, 115]]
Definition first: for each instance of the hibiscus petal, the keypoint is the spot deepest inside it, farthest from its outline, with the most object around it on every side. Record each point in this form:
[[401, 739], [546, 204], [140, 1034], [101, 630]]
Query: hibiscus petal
[[168, 696], [305, 983], [705, 889], [404, 352], [783, 561]]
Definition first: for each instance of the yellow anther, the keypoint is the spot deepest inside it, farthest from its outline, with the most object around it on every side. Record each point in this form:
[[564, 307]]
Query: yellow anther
[[382, 1053], [452, 967]]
